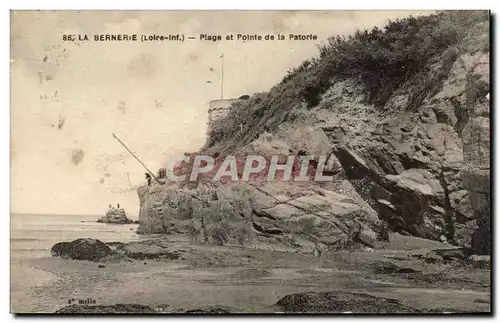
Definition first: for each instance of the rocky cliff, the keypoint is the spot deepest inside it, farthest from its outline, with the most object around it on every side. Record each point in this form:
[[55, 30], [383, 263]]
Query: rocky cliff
[[402, 114], [304, 217]]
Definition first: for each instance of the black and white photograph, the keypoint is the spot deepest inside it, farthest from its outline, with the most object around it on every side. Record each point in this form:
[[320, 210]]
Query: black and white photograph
[[279, 162]]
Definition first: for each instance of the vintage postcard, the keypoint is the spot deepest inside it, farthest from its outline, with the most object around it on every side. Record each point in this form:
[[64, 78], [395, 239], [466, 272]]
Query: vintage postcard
[[221, 162]]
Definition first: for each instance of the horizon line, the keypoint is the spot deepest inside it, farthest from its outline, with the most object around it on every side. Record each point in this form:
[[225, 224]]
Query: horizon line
[[57, 214]]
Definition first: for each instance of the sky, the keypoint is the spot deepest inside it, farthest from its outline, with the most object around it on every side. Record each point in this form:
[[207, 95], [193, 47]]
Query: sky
[[68, 98]]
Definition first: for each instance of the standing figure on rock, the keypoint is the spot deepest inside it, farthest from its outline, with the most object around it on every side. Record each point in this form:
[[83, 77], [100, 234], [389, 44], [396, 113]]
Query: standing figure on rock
[[383, 234], [317, 251], [148, 178], [162, 175]]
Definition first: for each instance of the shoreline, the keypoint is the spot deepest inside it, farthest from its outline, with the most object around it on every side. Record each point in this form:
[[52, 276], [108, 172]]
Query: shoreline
[[251, 280]]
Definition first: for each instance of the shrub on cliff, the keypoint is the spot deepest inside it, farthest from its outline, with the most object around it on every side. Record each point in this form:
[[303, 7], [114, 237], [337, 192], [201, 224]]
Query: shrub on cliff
[[382, 60], [237, 121]]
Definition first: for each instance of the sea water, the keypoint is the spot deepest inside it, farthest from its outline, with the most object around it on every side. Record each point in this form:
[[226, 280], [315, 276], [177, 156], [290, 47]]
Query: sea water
[[33, 235]]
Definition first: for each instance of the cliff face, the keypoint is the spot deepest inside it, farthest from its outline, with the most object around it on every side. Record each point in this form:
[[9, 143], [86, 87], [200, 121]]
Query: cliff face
[[408, 164], [150, 212], [304, 217], [476, 140], [412, 153]]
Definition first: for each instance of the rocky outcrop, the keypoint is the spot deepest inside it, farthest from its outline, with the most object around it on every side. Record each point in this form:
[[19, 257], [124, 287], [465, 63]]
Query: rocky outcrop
[[116, 216], [405, 160], [96, 250], [410, 166], [410, 200], [150, 212], [106, 309], [301, 216], [213, 309], [205, 216], [320, 216], [480, 261], [404, 165], [144, 250], [82, 249], [340, 302], [476, 140]]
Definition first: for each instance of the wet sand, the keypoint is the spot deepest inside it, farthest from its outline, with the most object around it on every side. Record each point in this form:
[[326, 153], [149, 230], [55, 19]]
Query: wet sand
[[247, 279]]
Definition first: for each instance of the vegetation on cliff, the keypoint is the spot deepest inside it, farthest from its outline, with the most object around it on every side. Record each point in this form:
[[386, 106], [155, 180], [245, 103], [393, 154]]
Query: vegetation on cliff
[[384, 61], [396, 111]]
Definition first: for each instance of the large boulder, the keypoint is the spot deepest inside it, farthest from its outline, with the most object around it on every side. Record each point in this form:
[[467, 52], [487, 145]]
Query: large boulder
[[144, 250], [408, 200], [417, 197], [82, 249], [321, 216], [116, 216], [339, 302]]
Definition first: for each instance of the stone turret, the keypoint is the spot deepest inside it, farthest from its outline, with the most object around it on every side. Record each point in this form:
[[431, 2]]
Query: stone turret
[[218, 109]]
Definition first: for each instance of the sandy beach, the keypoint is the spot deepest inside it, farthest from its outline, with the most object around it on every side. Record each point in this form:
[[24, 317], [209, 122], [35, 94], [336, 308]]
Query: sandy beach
[[249, 280]]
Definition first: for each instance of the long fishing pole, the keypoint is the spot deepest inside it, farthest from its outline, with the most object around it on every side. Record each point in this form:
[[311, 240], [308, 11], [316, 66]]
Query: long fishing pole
[[145, 167]]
